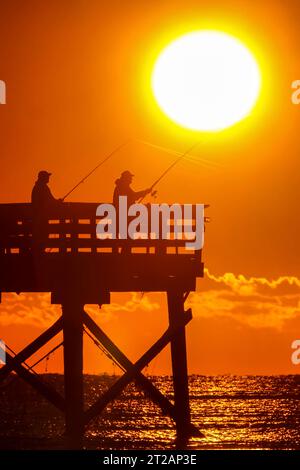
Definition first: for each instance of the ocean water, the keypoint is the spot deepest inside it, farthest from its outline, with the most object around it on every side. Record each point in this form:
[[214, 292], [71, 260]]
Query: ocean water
[[233, 412]]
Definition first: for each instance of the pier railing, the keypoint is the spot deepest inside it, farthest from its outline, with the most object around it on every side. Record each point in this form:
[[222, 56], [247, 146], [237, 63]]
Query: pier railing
[[71, 228], [41, 253]]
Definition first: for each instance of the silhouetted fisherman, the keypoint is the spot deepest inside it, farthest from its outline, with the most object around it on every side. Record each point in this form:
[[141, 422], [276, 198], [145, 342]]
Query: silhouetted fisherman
[[123, 189], [42, 202], [41, 196]]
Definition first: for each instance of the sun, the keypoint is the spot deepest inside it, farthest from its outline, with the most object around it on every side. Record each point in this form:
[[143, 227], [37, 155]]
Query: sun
[[206, 80]]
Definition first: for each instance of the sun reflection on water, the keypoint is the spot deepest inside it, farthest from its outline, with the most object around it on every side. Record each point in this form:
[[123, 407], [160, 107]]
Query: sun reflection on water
[[233, 413]]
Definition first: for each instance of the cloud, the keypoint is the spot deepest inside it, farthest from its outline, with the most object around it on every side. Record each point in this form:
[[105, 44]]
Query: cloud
[[241, 284], [37, 310], [31, 309], [257, 302], [137, 301]]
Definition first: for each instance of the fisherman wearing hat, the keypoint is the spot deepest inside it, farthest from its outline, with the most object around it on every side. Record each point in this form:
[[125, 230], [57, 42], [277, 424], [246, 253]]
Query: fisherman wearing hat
[[41, 196], [123, 189], [42, 201]]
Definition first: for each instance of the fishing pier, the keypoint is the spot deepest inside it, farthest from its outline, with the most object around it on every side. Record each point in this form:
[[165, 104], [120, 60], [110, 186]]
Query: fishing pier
[[77, 268]]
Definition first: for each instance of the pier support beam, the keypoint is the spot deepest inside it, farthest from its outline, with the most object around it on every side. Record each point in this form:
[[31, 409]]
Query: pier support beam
[[72, 311], [179, 365]]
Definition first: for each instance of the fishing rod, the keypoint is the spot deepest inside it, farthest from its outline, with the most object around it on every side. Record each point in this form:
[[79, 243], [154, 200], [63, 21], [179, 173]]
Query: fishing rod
[[94, 169], [168, 170], [164, 174], [181, 156]]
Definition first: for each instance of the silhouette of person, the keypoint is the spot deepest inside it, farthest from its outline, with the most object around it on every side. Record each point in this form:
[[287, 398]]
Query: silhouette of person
[[41, 196], [123, 189], [42, 201]]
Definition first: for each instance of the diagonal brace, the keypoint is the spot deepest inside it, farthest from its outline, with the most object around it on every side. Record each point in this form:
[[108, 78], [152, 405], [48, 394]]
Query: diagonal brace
[[31, 348], [153, 392], [47, 391], [134, 369]]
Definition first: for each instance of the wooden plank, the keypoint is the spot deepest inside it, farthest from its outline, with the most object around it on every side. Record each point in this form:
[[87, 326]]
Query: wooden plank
[[111, 272], [81, 210], [76, 241]]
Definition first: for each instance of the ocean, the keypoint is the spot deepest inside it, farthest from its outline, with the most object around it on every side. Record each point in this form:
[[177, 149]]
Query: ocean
[[233, 412]]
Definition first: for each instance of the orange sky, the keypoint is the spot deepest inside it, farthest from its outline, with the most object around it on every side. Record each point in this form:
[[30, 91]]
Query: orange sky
[[77, 77]]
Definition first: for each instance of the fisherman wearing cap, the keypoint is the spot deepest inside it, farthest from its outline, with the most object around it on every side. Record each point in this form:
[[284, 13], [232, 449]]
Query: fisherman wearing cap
[[42, 201], [123, 189], [41, 196]]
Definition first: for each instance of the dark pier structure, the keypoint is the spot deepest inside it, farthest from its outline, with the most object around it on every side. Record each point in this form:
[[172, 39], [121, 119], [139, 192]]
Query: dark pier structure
[[77, 268]]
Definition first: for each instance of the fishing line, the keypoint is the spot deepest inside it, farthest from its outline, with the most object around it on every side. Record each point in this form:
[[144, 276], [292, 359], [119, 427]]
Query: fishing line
[[197, 159], [46, 356], [15, 354], [103, 349], [181, 157], [186, 155]]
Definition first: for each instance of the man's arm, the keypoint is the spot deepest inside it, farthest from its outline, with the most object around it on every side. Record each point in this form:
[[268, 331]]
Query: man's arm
[[50, 199], [48, 195], [139, 194]]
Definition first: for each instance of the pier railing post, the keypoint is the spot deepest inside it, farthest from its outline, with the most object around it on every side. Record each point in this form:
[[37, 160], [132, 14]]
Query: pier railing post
[[179, 365], [72, 311]]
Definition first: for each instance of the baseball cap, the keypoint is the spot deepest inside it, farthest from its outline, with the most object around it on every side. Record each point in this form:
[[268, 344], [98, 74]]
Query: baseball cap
[[43, 173], [127, 173]]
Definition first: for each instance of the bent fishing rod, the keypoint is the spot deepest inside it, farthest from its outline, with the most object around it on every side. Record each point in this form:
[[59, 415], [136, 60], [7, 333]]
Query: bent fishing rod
[[94, 169]]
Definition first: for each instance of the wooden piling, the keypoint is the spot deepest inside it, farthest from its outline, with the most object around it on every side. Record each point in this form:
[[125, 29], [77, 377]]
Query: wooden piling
[[72, 312], [179, 365]]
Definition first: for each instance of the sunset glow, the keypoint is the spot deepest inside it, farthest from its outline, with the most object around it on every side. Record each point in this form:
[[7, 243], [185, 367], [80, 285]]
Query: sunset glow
[[206, 80]]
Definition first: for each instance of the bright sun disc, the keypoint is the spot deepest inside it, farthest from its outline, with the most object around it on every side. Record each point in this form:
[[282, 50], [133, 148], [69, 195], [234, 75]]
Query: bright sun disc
[[206, 80]]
